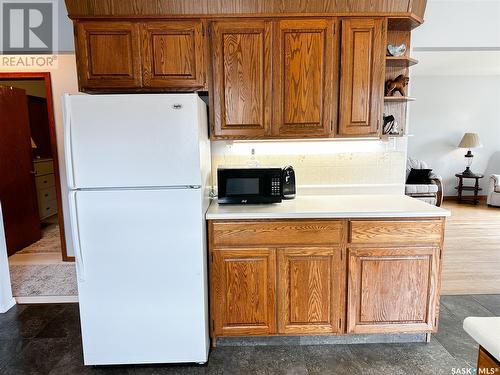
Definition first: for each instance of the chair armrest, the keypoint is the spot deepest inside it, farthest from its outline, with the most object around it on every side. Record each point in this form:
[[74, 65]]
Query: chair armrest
[[434, 176], [495, 178], [439, 195]]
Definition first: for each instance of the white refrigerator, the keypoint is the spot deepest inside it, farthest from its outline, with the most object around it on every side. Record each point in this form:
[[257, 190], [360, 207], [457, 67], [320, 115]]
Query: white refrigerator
[[138, 168]]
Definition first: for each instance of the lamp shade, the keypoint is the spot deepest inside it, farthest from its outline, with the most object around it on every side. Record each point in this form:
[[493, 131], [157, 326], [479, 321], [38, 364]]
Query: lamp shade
[[470, 140]]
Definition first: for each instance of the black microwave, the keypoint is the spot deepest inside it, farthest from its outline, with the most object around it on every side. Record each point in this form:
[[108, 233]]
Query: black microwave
[[249, 185]]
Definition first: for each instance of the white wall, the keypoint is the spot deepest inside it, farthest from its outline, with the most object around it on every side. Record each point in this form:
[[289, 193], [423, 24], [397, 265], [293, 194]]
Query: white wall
[[458, 24], [64, 80], [457, 86]]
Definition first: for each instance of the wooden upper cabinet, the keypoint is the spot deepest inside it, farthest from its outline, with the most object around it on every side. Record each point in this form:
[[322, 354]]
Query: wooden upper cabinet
[[243, 291], [310, 287], [362, 76], [242, 78], [393, 289], [108, 55], [173, 55], [304, 64]]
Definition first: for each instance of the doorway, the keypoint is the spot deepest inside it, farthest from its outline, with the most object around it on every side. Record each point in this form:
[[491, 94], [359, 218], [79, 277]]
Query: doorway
[[30, 189]]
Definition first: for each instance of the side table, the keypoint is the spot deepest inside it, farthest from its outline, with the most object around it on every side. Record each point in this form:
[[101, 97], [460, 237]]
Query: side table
[[473, 199]]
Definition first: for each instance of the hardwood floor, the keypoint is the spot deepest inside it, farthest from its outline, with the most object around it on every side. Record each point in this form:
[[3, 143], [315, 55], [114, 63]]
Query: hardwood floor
[[472, 250]]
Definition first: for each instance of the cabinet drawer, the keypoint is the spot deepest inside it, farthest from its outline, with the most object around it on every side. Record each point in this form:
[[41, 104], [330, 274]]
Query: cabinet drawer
[[49, 208], [46, 195], [280, 232], [43, 167], [46, 181], [397, 231]]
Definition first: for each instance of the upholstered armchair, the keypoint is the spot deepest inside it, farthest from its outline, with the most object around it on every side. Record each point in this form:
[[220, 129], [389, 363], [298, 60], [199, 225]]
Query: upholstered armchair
[[431, 193], [493, 198]]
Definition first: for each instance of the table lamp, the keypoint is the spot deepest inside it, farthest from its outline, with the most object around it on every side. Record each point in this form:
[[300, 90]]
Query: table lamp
[[469, 140]]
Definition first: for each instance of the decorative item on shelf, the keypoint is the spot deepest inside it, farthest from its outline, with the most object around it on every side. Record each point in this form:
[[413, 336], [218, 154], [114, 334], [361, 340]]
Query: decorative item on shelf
[[391, 127], [396, 50], [398, 84], [469, 141]]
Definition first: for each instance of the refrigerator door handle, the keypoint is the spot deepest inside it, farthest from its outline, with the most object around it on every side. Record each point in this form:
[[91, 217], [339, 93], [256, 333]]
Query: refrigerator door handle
[[75, 231], [68, 154]]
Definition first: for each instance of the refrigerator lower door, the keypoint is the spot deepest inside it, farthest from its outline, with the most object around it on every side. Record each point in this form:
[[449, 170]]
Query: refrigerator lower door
[[141, 266]]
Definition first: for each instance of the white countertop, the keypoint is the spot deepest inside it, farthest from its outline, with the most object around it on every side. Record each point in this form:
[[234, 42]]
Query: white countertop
[[329, 206], [486, 332]]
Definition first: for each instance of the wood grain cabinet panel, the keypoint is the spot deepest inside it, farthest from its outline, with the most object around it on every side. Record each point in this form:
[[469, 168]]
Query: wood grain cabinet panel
[[309, 290], [173, 55], [243, 292], [392, 290], [278, 232], [396, 231], [362, 76], [108, 55], [242, 78], [303, 75]]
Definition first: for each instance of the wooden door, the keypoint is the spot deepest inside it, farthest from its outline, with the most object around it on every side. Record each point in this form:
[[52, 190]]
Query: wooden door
[[17, 179], [173, 55], [108, 55], [362, 76], [39, 126], [392, 289], [243, 292], [242, 78], [305, 62], [310, 285]]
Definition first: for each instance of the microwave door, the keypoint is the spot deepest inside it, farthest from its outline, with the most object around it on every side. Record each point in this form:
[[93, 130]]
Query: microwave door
[[249, 186]]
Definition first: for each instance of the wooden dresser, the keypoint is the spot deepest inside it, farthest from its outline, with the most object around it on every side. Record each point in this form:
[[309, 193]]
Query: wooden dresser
[[45, 187]]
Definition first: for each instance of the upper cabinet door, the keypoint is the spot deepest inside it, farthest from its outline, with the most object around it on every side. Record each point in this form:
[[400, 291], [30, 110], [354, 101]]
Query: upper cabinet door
[[242, 78], [362, 76], [109, 55], [303, 75], [173, 55]]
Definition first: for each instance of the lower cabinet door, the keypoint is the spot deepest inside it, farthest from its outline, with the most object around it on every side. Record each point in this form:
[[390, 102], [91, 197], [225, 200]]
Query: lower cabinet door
[[243, 292], [310, 290], [392, 290]]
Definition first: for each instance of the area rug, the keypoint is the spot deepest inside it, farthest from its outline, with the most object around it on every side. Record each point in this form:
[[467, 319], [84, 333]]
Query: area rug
[[49, 243], [43, 280]]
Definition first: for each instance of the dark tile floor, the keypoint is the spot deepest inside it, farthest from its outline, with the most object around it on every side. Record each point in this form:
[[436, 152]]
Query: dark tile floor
[[45, 339]]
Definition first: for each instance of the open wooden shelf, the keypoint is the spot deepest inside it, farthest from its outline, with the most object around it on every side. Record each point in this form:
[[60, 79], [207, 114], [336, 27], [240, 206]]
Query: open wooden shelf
[[404, 22], [400, 61], [398, 99]]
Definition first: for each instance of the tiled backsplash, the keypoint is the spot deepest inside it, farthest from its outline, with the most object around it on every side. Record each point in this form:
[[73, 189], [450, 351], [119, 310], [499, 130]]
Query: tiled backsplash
[[341, 166]]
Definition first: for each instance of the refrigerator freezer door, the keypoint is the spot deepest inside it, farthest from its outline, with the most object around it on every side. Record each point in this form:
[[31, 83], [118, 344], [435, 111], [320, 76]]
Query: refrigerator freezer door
[[133, 140], [141, 276]]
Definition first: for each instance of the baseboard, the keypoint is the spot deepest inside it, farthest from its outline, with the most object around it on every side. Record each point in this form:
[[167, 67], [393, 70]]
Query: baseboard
[[481, 198], [8, 306], [46, 299], [321, 340]]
